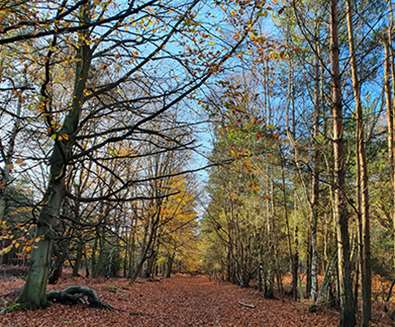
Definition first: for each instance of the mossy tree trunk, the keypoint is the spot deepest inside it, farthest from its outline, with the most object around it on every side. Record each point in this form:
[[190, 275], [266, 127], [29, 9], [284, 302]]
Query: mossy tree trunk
[[34, 292]]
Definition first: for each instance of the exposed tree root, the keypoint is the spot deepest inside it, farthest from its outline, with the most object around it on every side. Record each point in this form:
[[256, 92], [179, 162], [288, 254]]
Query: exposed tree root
[[78, 295]]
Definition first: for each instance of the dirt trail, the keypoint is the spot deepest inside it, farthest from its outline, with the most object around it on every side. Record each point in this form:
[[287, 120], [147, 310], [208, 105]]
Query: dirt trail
[[179, 301]]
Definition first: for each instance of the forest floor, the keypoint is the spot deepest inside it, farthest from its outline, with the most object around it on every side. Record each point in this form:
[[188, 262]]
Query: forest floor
[[178, 301]]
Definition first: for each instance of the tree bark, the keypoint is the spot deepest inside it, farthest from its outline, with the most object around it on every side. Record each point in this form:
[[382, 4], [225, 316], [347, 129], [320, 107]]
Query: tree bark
[[340, 204], [34, 291], [169, 265], [78, 259], [293, 253], [390, 69], [315, 181], [362, 179]]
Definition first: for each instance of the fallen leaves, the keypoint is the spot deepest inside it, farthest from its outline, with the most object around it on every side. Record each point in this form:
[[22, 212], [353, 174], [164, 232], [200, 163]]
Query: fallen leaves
[[178, 301]]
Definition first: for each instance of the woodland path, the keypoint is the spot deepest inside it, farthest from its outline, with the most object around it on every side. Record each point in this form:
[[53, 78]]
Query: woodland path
[[178, 301]]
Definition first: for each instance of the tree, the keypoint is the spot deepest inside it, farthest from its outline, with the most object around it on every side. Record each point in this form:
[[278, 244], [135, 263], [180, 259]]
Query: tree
[[340, 205], [362, 178], [114, 48]]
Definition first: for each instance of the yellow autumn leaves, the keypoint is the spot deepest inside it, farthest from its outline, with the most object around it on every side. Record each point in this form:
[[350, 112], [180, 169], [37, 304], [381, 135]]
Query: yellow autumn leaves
[[11, 242]]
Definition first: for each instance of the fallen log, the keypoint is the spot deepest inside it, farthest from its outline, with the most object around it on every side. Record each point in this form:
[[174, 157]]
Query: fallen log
[[78, 295]]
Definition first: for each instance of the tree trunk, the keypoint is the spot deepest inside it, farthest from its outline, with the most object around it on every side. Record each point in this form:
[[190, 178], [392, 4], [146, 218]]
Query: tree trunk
[[390, 66], [293, 257], [340, 205], [94, 257], [169, 265], [315, 182], [34, 291], [5, 172], [295, 266], [362, 180], [78, 259], [60, 257], [390, 121], [308, 262]]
